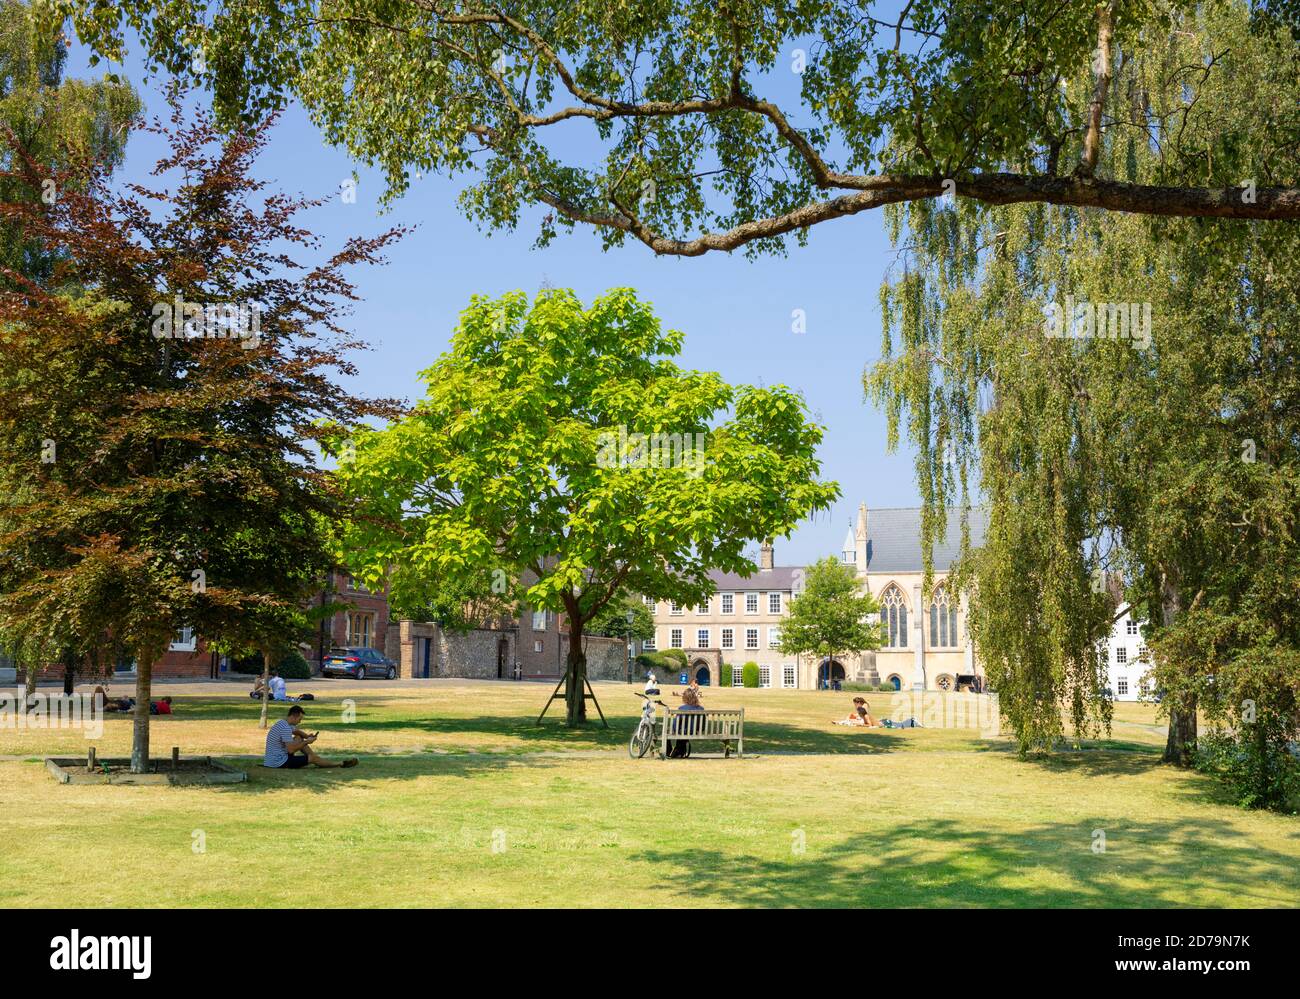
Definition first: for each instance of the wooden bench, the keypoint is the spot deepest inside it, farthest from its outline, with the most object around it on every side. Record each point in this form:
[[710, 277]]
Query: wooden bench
[[704, 726]]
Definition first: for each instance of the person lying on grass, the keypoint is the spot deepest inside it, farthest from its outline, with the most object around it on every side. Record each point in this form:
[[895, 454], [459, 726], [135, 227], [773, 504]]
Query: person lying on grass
[[288, 747], [861, 715]]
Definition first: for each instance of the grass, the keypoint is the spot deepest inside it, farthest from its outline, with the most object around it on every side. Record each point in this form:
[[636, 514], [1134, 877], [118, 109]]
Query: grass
[[462, 800]]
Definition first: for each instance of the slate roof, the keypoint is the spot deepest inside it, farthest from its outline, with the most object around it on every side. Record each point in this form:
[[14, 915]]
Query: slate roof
[[894, 539], [779, 577]]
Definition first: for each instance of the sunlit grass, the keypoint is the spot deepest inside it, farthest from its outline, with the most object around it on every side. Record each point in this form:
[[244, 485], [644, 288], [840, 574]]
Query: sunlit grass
[[461, 799]]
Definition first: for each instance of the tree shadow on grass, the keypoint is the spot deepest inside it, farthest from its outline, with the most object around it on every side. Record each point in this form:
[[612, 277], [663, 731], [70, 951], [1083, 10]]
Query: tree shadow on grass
[[395, 767], [1145, 865]]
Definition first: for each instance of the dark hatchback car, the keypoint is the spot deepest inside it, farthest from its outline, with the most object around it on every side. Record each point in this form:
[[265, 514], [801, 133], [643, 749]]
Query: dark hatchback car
[[358, 663]]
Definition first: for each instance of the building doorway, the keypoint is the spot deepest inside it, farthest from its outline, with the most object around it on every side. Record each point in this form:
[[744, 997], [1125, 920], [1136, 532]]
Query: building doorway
[[503, 647], [702, 674], [830, 673]]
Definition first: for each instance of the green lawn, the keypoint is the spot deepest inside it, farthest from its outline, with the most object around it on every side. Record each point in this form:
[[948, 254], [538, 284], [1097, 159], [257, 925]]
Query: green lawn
[[461, 800]]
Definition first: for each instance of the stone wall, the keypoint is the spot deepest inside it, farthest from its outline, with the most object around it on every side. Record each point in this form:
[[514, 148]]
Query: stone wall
[[482, 653], [606, 657]]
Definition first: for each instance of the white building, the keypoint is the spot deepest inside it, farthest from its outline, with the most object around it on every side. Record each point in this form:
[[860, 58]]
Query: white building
[[1127, 661]]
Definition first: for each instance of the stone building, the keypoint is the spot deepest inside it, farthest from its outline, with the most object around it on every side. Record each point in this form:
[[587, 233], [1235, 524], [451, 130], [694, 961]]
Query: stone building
[[926, 644], [740, 623], [533, 646]]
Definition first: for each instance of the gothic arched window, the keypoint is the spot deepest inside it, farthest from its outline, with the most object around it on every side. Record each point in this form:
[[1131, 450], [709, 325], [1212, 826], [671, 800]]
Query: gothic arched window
[[943, 620], [893, 615]]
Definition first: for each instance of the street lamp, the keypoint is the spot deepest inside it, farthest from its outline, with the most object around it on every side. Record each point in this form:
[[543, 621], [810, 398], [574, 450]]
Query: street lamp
[[630, 617]]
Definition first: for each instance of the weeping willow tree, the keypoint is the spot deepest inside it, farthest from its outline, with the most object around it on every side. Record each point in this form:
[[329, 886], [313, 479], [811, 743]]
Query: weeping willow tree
[[1116, 461]]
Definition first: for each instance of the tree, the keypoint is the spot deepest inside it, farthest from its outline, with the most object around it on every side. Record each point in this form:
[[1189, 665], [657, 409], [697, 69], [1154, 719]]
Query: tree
[[158, 405], [702, 147], [612, 620], [56, 121], [560, 453], [832, 616], [1159, 452]]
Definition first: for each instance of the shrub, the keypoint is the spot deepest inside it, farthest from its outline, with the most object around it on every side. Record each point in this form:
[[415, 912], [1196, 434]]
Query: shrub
[[1258, 775], [292, 667], [749, 674], [677, 656], [886, 687], [724, 675], [664, 666]]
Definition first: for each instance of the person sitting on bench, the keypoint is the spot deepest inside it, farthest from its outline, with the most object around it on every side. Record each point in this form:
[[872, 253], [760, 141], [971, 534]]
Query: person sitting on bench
[[690, 702], [289, 747]]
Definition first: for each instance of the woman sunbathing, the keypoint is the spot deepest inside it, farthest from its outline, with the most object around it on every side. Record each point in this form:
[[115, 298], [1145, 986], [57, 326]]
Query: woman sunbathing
[[861, 715]]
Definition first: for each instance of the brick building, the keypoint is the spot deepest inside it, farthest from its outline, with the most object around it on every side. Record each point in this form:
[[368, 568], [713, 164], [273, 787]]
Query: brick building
[[364, 622]]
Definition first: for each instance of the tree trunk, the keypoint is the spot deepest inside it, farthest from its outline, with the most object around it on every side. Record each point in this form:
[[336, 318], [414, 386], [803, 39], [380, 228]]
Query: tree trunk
[[575, 689], [266, 676], [1182, 734], [1182, 713], [69, 673], [140, 731], [29, 687]]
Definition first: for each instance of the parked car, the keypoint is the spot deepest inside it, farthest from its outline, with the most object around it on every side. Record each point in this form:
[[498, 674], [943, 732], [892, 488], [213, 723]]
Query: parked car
[[358, 663]]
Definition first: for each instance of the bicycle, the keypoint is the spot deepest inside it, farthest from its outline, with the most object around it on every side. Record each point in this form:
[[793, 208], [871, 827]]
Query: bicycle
[[648, 729]]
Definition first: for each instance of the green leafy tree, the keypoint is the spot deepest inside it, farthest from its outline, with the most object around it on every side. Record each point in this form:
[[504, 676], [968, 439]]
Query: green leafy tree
[[740, 124], [560, 450], [833, 614], [612, 620], [1153, 461], [749, 675], [57, 122]]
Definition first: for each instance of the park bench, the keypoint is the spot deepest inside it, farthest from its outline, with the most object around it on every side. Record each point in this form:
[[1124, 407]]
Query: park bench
[[726, 727]]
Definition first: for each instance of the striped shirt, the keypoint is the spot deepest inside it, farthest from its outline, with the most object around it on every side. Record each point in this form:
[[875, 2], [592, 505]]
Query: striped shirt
[[281, 735]]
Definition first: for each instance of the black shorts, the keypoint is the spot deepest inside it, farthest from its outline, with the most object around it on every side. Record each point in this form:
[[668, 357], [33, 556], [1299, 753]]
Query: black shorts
[[296, 761]]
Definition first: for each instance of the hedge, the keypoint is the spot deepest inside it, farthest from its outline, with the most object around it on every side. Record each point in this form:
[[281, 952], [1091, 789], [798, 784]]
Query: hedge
[[749, 674]]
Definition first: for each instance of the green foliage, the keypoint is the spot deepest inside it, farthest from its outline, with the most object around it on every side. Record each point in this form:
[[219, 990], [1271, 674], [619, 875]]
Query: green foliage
[[527, 464], [57, 124], [725, 675], [1255, 774], [611, 621], [675, 656], [749, 675], [1159, 467], [682, 99], [293, 666], [832, 615]]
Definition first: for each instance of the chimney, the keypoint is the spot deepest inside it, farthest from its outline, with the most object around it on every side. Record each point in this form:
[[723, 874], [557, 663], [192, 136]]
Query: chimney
[[765, 555]]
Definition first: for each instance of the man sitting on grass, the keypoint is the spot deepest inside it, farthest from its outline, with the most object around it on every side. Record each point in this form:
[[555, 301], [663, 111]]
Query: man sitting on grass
[[288, 747]]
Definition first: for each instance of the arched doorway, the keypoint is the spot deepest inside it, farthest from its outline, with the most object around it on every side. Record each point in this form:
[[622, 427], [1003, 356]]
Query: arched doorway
[[895, 681], [700, 670], [831, 670]]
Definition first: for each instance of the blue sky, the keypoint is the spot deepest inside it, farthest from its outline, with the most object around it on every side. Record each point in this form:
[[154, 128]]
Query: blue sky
[[736, 313]]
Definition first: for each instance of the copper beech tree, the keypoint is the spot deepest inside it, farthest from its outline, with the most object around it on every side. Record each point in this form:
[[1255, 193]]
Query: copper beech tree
[[160, 400]]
